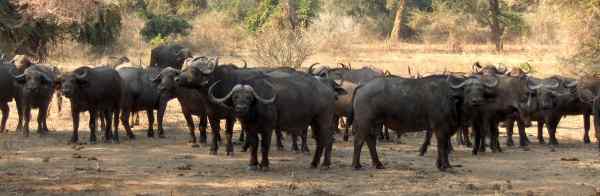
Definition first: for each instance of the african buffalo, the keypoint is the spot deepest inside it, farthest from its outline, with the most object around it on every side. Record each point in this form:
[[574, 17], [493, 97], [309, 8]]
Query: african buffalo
[[172, 55], [38, 83], [191, 101], [201, 72], [10, 91], [97, 90], [141, 94], [433, 103], [289, 103]]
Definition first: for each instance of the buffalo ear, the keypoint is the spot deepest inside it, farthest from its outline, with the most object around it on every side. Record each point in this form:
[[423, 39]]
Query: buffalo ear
[[20, 79], [340, 91]]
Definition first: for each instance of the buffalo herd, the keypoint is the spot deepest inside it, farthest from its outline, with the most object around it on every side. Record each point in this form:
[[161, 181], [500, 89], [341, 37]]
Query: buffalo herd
[[282, 99]]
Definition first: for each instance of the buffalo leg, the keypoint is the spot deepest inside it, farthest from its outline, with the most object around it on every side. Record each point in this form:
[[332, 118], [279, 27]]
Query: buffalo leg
[[510, 124], [442, 162], [75, 119], [346, 131], [540, 129], [160, 115], [125, 121], [108, 133], [229, 137], [523, 141], [150, 116], [252, 141], [202, 126], [115, 120], [319, 148], [20, 106], [92, 124], [27, 118], [5, 111], [425, 145], [279, 138], [586, 128], [295, 142], [552, 133], [304, 138], [494, 137], [359, 137], [265, 144], [372, 144], [216, 130], [42, 115], [190, 123]]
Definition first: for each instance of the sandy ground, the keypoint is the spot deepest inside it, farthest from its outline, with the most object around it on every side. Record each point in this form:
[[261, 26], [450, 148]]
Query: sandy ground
[[48, 165]]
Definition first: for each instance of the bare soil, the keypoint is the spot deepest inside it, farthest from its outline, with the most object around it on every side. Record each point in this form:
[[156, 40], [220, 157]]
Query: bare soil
[[49, 165]]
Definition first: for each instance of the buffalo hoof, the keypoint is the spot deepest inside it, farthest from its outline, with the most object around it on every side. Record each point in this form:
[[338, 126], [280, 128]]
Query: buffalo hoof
[[357, 167], [586, 140], [212, 152], [541, 141], [306, 150], [265, 168], [510, 142], [195, 145], [295, 149], [74, 140], [325, 167], [93, 142], [162, 136], [252, 168], [150, 134], [379, 166], [230, 153], [314, 165], [131, 136], [280, 148], [525, 148], [345, 138]]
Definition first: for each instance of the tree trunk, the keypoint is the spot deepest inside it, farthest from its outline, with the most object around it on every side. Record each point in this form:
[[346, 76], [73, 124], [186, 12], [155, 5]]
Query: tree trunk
[[290, 12], [497, 31], [397, 29]]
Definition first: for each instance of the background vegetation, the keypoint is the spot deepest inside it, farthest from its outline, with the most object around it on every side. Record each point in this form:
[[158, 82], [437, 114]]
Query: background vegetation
[[287, 32]]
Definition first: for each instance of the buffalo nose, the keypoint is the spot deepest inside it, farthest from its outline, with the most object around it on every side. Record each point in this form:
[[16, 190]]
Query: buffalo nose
[[476, 101], [177, 79]]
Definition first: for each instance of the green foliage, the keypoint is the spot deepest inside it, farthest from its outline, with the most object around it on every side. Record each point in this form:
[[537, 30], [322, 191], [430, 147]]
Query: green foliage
[[100, 30], [32, 36], [307, 11], [164, 26], [158, 40], [259, 17]]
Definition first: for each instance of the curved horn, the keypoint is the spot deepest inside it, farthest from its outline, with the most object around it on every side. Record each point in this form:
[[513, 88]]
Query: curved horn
[[475, 68], [245, 64], [452, 85], [311, 68], [19, 77], [217, 61], [409, 71], [556, 84], [535, 86], [492, 84], [342, 65], [156, 78], [82, 75], [502, 69], [221, 100], [261, 99], [559, 94], [571, 84]]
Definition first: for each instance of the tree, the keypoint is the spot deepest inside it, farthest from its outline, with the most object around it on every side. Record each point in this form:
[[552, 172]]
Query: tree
[[396, 30], [495, 28]]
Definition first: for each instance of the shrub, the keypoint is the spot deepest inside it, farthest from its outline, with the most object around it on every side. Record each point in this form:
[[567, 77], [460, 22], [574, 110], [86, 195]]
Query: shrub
[[275, 48], [165, 26]]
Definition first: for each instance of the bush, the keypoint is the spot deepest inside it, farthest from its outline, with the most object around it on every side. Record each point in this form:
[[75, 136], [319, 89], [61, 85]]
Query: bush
[[164, 26], [275, 48], [218, 34]]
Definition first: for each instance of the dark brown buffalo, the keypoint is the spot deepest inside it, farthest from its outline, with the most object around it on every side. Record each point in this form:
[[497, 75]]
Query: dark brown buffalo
[[171, 55], [199, 73], [430, 103], [96, 90], [38, 83], [289, 103], [191, 101], [9, 92]]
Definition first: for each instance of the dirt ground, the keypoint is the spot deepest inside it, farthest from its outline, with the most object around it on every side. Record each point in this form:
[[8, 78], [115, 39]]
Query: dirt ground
[[49, 165]]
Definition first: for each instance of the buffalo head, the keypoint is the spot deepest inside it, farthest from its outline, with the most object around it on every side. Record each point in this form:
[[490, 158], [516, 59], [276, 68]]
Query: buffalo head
[[71, 82], [241, 97], [197, 72], [165, 80], [474, 90], [34, 80]]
